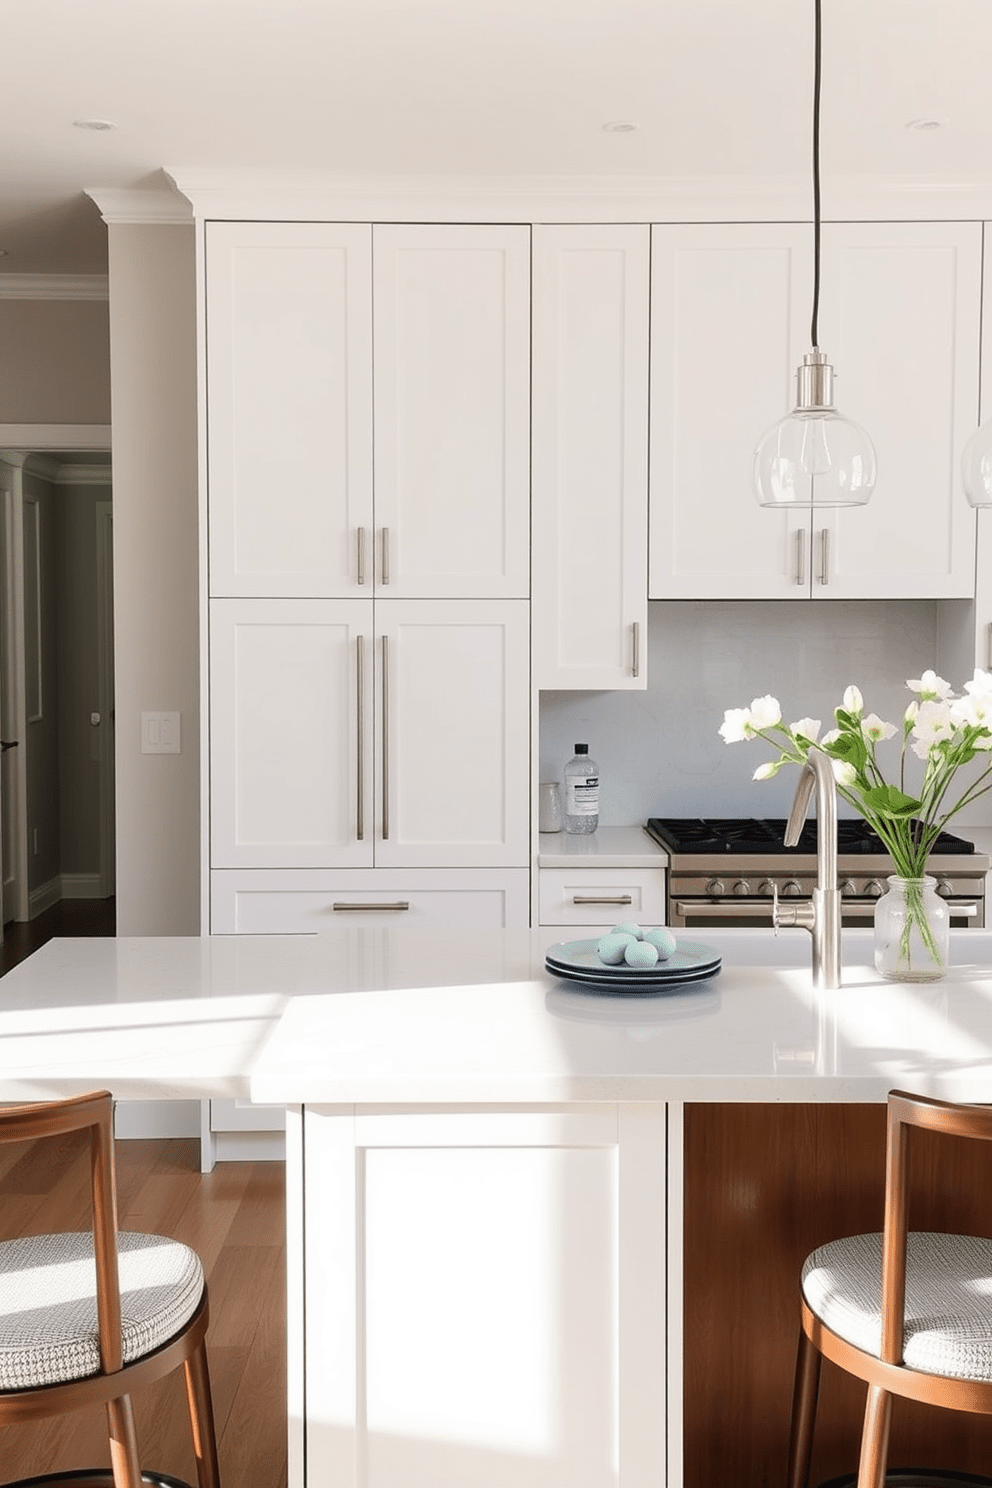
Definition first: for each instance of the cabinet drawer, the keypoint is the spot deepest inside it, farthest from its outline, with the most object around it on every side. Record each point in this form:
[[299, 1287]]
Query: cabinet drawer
[[602, 896], [300, 902]]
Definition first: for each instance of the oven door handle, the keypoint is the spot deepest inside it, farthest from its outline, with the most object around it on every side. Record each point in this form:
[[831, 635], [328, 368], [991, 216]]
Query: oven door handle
[[861, 909]]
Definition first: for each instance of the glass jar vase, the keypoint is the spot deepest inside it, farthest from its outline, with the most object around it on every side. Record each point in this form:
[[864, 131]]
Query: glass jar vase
[[912, 931]]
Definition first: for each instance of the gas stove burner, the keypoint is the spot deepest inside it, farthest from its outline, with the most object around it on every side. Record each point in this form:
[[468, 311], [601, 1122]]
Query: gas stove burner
[[749, 835]]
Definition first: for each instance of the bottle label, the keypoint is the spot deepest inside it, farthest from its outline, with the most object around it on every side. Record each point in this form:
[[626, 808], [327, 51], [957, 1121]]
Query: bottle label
[[582, 795]]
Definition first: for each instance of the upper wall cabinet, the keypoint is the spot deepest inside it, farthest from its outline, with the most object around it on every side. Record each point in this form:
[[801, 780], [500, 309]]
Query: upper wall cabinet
[[304, 499], [589, 598], [899, 319]]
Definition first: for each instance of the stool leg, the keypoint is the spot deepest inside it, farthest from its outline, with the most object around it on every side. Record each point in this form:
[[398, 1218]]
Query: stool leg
[[875, 1438], [803, 1412], [201, 1419], [123, 1443]]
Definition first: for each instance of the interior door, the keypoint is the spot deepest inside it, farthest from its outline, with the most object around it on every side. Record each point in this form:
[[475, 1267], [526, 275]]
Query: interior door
[[10, 884]]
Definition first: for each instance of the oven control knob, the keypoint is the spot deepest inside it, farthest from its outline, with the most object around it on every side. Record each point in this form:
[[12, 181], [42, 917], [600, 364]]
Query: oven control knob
[[741, 887], [944, 889], [716, 887], [873, 889], [791, 889], [849, 886], [767, 888]]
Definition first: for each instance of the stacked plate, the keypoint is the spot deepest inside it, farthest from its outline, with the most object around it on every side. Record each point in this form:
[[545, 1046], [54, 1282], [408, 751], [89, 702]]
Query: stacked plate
[[577, 961]]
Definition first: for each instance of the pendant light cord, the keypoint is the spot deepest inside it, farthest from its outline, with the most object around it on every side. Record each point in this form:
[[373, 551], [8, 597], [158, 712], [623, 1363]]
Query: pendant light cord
[[816, 174]]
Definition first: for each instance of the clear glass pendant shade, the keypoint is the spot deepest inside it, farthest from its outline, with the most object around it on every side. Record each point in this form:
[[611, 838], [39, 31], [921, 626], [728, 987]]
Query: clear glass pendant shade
[[976, 466], [814, 456]]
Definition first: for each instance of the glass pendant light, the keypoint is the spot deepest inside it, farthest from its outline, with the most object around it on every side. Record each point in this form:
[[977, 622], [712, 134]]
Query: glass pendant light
[[814, 456]]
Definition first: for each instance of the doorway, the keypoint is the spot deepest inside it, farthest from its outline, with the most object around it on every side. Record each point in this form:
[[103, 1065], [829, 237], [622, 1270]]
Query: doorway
[[57, 819]]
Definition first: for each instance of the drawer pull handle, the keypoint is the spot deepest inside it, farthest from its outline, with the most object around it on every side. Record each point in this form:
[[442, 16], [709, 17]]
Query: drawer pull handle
[[602, 899], [360, 753], [361, 555], [400, 904]]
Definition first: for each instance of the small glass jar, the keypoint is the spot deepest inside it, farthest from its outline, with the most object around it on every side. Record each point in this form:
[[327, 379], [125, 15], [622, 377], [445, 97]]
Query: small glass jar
[[912, 931]]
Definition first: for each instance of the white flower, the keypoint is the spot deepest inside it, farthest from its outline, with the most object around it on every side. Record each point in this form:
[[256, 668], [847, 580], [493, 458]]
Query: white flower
[[765, 712], [979, 688], [844, 772], [830, 736], [911, 712], [808, 727], [933, 722], [853, 701], [875, 730], [736, 725], [930, 687], [974, 711], [765, 772]]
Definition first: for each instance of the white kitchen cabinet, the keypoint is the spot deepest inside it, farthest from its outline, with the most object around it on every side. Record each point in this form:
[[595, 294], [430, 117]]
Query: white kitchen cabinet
[[590, 402], [298, 359], [899, 319], [289, 407], [286, 901], [518, 1332], [452, 410], [353, 734], [598, 898]]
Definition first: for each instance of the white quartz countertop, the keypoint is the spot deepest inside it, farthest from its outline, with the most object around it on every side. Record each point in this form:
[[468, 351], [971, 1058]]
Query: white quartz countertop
[[417, 1017], [607, 847]]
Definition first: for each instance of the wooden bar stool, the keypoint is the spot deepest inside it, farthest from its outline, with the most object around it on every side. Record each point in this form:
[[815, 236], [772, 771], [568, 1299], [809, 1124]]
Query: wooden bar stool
[[87, 1317], [910, 1314]]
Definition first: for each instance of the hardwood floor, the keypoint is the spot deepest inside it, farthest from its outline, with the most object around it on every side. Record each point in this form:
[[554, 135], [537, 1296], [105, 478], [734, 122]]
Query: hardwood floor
[[68, 917], [234, 1218]]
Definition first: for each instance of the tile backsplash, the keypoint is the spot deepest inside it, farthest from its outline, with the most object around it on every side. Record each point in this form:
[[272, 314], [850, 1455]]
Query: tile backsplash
[[659, 751]]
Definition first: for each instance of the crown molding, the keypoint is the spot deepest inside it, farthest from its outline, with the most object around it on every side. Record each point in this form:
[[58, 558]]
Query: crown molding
[[60, 474], [54, 287], [152, 207], [313, 195], [54, 437]]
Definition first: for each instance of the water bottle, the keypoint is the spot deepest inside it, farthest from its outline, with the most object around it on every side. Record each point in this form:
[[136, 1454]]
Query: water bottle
[[581, 792]]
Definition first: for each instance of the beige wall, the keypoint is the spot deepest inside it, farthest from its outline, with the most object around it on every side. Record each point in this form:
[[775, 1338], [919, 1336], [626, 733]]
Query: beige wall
[[156, 585], [54, 362]]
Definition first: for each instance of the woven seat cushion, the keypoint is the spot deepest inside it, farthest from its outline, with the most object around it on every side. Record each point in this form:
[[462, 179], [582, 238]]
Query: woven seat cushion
[[948, 1327], [48, 1324]]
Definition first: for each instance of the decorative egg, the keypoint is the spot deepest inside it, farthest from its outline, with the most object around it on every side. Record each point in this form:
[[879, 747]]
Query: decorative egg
[[663, 940], [626, 928], [610, 948], [640, 953]]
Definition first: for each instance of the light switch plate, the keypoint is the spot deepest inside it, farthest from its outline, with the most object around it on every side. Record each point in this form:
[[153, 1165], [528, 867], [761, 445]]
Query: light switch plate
[[160, 733]]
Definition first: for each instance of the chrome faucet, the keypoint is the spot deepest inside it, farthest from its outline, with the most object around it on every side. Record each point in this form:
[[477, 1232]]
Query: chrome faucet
[[821, 916]]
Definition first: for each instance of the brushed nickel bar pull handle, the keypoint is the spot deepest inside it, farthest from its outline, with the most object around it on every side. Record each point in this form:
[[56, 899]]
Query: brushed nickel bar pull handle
[[602, 899], [385, 738], [385, 555], [725, 911], [360, 758], [800, 558], [360, 538], [824, 555], [372, 908], [636, 667]]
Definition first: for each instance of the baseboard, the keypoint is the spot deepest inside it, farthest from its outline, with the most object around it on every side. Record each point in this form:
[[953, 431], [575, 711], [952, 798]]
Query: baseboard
[[82, 886], [259, 1146], [44, 896], [134, 1119]]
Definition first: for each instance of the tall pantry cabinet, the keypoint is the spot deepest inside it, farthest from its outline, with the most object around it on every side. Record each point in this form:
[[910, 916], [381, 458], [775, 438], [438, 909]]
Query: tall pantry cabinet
[[368, 434]]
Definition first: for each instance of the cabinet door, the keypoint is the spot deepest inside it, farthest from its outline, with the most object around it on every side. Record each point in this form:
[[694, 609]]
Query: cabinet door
[[452, 690], [590, 356], [452, 399], [729, 325], [290, 733], [900, 319], [289, 406]]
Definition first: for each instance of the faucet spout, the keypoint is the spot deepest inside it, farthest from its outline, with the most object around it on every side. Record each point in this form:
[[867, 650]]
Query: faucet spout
[[822, 917]]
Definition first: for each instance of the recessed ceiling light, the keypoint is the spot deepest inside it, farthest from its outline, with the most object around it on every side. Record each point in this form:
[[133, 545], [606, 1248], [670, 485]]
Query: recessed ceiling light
[[925, 126], [620, 126], [98, 125]]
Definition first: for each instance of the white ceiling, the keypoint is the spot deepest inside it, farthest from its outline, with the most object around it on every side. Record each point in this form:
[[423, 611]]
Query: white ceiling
[[718, 88]]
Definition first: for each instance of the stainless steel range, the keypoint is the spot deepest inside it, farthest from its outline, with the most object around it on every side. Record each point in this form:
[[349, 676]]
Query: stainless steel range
[[725, 872]]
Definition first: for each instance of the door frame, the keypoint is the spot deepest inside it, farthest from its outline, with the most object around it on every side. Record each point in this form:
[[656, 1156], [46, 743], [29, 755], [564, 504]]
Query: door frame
[[105, 692], [12, 516], [16, 442]]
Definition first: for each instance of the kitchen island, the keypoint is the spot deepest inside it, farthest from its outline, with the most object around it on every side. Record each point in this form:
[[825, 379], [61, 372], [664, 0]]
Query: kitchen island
[[510, 1198]]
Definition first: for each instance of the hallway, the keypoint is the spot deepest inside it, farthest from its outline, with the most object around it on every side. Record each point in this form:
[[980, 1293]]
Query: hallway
[[69, 917]]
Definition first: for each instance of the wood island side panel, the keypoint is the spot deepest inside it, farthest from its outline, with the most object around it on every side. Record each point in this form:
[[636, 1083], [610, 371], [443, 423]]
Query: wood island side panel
[[765, 1184]]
